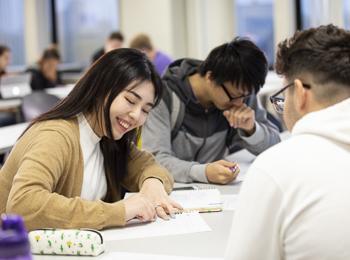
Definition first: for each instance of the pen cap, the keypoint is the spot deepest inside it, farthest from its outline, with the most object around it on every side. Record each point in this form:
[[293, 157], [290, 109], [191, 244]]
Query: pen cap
[[14, 243]]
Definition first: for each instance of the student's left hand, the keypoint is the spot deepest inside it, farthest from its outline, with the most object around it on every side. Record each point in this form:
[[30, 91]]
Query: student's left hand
[[153, 189], [242, 117]]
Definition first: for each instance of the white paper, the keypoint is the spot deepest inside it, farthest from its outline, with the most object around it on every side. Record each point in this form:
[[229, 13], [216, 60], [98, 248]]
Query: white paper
[[197, 199], [229, 201], [182, 224], [139, 256]]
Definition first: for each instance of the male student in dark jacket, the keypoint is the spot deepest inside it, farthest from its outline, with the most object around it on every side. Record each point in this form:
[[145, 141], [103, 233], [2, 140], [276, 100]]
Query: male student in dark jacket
[[221, 113]]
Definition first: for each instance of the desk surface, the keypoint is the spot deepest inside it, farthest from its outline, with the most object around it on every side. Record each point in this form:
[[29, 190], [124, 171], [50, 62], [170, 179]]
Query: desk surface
[[273, 83], [60, 91], [202, 244], [9, 136], [10, 104]]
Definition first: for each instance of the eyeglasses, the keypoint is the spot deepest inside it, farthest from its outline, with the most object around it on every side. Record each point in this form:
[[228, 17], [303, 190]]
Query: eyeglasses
[[231, 98], [278, 101]]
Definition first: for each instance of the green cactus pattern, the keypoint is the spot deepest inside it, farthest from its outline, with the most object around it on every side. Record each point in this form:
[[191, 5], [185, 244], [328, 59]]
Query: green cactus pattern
[[70, 242]]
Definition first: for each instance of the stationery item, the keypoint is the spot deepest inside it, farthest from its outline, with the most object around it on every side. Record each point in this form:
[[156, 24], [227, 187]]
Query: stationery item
[[192, 187], [202, 200], [182, 224], [66, 242], [14, 244], [234, 168]]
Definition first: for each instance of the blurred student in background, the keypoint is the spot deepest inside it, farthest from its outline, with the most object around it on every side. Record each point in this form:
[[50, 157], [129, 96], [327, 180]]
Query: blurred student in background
[[114, 41], [46, 75], [160, 60], [6, 118], [5, 56]]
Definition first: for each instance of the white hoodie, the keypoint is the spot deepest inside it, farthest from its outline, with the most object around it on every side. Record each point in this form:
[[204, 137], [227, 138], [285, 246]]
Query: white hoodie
[[295, 202]]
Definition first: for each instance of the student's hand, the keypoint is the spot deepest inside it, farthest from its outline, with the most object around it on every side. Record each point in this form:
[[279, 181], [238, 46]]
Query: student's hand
[[242, 117], [153, 189], [140, 207], [221, 172]]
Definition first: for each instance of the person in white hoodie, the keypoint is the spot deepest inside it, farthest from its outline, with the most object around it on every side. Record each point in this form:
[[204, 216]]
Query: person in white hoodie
[[295, 202]]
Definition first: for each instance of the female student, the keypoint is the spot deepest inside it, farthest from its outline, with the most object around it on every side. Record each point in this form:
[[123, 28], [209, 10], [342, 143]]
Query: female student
[[6, 118], [46, 75], [70, 166], [5, 54]]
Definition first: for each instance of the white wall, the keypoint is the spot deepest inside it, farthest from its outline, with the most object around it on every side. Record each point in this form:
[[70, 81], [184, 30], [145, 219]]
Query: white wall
[[37, 32], [183, 28], [209, 24], [162, 20], [284, 20]]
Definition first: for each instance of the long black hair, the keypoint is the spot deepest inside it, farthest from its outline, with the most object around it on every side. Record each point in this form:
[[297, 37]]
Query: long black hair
[[95, 92]]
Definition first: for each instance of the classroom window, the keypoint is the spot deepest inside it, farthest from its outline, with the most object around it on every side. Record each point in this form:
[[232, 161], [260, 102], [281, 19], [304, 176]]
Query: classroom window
[[254, 19], [12, 29], [346, 14], [83, 27], [314, 13]]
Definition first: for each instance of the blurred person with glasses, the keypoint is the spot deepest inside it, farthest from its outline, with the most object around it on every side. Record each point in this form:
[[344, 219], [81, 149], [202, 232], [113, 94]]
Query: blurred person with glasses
[[218, 110], [295, 201]]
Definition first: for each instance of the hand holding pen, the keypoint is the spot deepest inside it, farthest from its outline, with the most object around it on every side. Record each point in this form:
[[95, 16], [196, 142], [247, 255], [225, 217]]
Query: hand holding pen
[[221, 172]]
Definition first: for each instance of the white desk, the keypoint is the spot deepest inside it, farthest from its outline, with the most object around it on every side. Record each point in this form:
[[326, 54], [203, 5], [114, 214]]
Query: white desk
[[203, 244], [9, 136], [273, 83], [60, 91], [10, 104], [13, 104]]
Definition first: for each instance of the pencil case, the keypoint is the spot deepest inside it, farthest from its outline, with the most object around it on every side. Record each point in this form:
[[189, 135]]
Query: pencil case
[[87, 242]]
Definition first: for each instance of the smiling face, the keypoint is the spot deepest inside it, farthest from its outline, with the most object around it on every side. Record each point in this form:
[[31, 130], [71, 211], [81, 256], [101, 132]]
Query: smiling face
[[130, 108]]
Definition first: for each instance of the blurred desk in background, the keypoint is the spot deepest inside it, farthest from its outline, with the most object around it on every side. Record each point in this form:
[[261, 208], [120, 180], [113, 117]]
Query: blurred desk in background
[[60, 91], [9, 136]]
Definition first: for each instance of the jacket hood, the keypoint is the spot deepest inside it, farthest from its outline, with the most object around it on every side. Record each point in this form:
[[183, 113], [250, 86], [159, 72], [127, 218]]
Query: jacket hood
[[332, 123], [177, 77]]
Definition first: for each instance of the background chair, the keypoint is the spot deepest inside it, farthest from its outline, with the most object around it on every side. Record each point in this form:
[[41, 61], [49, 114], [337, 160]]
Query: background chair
[[36, 104]]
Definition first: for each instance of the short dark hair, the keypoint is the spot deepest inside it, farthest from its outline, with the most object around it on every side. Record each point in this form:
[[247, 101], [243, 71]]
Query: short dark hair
[[323, 52], [240, 62], [116, 36], [3, 49], [50, 53], [141, 41]]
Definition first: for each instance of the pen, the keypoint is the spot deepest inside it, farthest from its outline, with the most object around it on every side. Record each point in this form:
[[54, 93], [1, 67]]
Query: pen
[[200, 210], [234, 168]]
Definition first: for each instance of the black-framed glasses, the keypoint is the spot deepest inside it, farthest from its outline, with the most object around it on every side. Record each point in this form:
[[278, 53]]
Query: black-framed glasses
[[231, 98], [277, 101]]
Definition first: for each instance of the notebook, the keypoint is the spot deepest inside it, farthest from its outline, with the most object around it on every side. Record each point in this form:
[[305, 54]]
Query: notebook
[[15, 86], [202, 200]]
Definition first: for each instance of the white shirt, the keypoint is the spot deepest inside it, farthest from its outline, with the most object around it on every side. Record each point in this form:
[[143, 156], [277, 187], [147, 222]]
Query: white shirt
[[94, 181], [295, 202]]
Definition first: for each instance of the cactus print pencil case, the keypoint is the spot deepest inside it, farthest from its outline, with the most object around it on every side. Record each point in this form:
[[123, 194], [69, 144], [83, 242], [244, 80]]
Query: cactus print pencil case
[[66, 242]]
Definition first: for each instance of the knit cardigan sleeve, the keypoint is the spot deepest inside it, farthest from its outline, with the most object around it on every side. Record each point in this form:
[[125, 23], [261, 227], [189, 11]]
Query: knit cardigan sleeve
[[47, 183], [142, 165]]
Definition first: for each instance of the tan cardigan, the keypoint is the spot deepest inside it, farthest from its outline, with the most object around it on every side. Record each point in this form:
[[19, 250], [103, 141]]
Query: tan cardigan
[[42, 180]]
